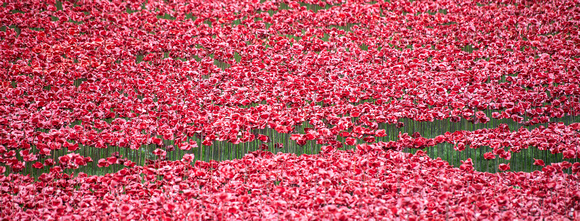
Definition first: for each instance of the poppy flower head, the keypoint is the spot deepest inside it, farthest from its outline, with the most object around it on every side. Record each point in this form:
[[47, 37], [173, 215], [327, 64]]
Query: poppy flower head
[[539, 162], [504, 167], [489, 156]]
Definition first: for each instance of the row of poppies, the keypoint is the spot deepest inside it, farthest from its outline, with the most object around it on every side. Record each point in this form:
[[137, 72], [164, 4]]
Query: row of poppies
[[361, 184]]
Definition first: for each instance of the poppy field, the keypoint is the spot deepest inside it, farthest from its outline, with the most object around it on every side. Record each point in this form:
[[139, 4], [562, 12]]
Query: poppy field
[[283, 109]]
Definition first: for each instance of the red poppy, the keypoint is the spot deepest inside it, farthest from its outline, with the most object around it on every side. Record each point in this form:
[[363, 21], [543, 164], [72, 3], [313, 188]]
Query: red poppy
[[459, 146], [504, 167], [279, 145], [380, 133], [38, 165], [489, 156], [206, 143], [103, 163], [263, 138], [466, 165], [64, 159], [49, 162], [350, 141], [188, 157], [369, 139]]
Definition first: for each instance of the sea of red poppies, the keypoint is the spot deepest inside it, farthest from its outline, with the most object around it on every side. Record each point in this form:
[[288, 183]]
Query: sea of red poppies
[[333, 185], [182, 75]]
